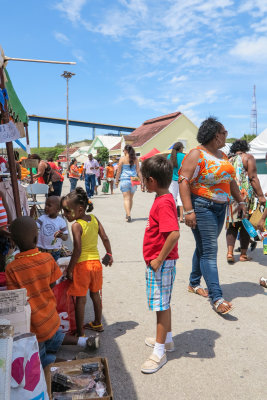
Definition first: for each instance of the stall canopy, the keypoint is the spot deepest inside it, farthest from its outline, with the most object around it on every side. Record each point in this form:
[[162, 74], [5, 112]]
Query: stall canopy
[[150, 154], [258, 146], [15, 108]]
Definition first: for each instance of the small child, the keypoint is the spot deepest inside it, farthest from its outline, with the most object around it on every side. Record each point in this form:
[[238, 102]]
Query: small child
[[52, 228], [85, 269], [37, 272], [160, 252]]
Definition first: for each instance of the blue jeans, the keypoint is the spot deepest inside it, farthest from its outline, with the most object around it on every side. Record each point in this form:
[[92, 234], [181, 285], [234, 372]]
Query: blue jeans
[[90, 184], [48, 349], [73, 184], [210, 219]]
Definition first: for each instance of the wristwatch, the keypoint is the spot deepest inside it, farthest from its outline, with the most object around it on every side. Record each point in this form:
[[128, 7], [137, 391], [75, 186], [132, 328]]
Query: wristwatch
[[189, 212]]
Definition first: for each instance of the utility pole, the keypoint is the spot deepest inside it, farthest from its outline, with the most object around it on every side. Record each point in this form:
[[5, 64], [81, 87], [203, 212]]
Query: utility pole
[[253, 114], [67, 75]]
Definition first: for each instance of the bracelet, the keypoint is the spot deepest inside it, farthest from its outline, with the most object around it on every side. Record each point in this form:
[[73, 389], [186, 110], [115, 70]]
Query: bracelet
[[189, 212], [109, 254], [242, 202]]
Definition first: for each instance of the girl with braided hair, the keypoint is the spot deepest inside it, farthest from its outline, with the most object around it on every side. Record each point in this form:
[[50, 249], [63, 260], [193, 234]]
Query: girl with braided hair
[[85, 268]]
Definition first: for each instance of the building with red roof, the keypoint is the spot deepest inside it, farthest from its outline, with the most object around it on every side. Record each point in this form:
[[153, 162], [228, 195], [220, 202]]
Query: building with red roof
[[160, 133]]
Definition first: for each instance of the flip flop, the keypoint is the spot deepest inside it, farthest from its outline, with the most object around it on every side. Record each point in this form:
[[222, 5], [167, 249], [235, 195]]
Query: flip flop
[[92, 327], [245, 258], [230, 258], [196, 289], [218, 303]]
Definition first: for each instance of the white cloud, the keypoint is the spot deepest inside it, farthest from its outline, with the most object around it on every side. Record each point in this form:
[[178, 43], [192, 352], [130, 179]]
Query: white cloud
[[260, 26], [71, 9], [61, 38], [176, 79], [79, 55], [252, 49], [254, 7]]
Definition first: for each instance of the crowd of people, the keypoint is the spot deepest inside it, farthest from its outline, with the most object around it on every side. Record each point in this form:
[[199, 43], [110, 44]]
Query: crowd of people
[[205, 187]]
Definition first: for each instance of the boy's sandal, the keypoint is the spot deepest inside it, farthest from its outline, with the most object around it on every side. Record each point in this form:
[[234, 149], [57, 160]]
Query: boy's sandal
[[244, 258], [263, 282], [219, 302], [92, 327], [230, 258], [198, 290]]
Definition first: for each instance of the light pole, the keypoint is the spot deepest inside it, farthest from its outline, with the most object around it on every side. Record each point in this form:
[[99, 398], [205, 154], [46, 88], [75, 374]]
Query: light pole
[[67, 75]]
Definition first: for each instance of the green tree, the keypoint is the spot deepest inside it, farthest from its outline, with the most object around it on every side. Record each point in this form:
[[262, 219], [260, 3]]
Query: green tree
[[102, 154], [248, 137]]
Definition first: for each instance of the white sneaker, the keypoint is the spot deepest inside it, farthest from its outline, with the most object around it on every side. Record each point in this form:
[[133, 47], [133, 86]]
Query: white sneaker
[[153, 364], [149, 341]]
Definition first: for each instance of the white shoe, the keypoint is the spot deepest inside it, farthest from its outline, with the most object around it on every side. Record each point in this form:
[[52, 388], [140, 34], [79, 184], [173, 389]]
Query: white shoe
[[153, 364]]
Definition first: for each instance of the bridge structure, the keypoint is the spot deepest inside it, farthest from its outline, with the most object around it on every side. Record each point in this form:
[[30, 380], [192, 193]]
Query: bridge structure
[[91, 125]]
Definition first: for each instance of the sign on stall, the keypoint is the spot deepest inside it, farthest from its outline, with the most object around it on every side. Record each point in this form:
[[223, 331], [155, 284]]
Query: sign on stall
[[8, 132]]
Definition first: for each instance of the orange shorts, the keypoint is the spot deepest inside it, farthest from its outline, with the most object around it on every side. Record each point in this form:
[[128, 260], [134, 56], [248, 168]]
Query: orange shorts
[[86, 275]]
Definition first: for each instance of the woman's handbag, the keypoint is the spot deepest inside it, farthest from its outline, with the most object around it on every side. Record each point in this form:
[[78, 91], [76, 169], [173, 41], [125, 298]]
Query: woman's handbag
[[105, 187], [135, 181], [256, 216]]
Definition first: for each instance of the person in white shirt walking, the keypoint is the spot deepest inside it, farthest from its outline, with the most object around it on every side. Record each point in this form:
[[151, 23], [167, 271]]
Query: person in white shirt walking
[[90, 168]]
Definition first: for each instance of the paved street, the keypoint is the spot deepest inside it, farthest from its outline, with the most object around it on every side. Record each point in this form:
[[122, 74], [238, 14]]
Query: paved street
[[217, 357]]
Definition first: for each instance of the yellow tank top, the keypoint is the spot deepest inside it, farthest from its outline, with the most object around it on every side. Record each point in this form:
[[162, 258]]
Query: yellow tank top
[[89, 239]]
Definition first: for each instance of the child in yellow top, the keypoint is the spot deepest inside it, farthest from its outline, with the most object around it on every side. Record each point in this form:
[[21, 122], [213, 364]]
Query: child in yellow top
[[85, 269]]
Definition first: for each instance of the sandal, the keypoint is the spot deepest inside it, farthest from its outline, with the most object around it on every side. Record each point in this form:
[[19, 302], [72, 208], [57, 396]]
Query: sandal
[[198, 290], [244, 258], [92, 327], [220, 302], [230, 258], [263, 282]]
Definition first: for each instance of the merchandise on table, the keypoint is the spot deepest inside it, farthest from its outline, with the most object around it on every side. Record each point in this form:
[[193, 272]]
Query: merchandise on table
[[80, 379]]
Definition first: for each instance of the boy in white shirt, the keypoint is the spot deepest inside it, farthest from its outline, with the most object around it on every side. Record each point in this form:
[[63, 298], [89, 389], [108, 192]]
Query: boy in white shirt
[[52, 228]]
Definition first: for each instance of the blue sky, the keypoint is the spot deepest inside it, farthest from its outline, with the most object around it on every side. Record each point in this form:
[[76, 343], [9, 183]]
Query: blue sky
[[138, 59]]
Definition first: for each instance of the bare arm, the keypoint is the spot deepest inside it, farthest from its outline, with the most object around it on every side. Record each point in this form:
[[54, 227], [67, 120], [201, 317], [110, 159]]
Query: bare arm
[[41, 170], [139, 173], [118, 174], [166, 249], [253, 178], [105, 241], [187, 171], [77, 246], [262, 221]]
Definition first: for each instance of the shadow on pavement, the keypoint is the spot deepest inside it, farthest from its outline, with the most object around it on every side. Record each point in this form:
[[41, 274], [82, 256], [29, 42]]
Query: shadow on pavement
[[197, 343], [241, 289], [258, 256]]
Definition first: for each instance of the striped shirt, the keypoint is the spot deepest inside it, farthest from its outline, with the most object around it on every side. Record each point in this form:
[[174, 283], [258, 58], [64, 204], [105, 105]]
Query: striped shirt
[[3, 214], [35, 271]]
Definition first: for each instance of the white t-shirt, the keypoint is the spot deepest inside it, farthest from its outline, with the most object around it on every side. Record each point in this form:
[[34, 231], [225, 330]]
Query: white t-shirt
[[88, 164], [47, 228]]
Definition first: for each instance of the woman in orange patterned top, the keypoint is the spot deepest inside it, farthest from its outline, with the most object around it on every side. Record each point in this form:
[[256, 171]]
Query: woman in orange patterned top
[[207, 180]]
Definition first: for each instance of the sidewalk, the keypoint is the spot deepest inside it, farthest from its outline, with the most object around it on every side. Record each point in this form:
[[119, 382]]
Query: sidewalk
[[217, 357]]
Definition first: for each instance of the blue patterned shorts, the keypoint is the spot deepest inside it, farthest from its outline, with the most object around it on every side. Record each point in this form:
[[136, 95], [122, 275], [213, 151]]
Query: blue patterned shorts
[[126, 186], [159, 285]]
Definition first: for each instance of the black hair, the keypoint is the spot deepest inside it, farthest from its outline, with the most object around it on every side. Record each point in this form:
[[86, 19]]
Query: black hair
[[208, 130], [18, 228], [79, 197], [35, 157], [71, 163], [130, 150], [239, 145], [159, 168], [175, 149], [50, 159]]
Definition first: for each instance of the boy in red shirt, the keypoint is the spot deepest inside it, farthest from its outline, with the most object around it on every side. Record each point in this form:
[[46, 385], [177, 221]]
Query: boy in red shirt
[[160, 252]]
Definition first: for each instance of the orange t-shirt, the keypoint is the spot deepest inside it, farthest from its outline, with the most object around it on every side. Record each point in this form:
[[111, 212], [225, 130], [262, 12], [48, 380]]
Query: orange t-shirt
[[81, 169], [110, 172], [35, 271]]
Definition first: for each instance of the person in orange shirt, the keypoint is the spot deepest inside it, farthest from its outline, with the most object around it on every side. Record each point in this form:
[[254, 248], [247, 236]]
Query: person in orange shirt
[[81, 172], [37, 272], [110, 175]]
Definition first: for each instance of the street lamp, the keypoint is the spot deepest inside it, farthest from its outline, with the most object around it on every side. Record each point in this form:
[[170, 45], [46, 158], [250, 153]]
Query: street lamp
[[67, 75]]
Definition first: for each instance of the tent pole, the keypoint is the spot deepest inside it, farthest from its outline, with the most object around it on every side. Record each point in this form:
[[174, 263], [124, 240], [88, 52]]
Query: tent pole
[[10, 155], [28, 148]]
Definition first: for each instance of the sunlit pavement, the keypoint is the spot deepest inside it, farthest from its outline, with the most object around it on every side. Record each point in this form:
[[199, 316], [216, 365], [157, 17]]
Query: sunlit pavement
[[217, 357]]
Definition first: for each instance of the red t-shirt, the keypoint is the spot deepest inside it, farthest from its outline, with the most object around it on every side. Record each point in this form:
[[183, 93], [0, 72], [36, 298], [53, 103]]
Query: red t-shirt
[[162, 220]]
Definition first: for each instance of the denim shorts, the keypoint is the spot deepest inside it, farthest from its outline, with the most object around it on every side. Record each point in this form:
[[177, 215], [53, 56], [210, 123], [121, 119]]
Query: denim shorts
[[159, 285], [49, 348], [126, 186]]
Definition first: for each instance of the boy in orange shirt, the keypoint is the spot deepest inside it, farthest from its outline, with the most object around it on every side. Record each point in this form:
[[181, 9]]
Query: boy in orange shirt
[[38, 272]]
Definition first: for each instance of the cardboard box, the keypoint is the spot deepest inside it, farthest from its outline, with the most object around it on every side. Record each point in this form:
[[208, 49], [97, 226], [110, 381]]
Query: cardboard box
[[80, 362], [15, 309]]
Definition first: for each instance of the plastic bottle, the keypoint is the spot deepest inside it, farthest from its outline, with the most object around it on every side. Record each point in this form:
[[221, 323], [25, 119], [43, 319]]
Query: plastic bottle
[[249, 228], [262, 235], [265, 246]]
